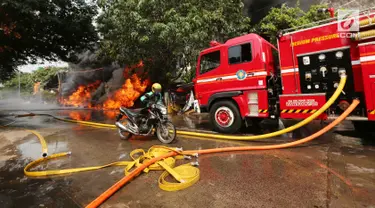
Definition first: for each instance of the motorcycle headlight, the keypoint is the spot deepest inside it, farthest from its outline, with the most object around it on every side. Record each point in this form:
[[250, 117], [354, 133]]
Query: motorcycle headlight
[[163, 111]]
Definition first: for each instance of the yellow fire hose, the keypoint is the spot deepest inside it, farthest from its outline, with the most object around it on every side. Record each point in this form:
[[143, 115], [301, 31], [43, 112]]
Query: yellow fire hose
[[163, 158], [232, 137], [280, 132], [364, 35], [367, 22], [186, 174], [41, 140], [137, 161], [109, 192], [111, 126], [153, 152]]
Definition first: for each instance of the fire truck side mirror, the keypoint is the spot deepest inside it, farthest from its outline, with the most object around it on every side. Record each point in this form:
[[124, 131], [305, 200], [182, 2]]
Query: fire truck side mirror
[[280, 34]]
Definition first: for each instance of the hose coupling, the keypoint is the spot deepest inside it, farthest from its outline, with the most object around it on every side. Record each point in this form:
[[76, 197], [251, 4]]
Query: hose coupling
[[69, 153], [195, 155], [342, 73], [186, 157], [179, 149], [194, 163]]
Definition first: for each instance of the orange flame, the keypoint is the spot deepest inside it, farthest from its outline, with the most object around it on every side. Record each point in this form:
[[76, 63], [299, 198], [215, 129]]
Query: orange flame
[[110, 114], [82, 96], [136, 69], [130, 91], [80, 116]]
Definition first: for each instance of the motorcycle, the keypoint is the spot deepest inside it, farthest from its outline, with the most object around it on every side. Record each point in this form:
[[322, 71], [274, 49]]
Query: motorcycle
[[146, 122]]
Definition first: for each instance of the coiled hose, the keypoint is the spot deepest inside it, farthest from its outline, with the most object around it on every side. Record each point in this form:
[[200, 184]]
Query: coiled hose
[[364, 35], [367, 22], [108, 193], [193, 176]]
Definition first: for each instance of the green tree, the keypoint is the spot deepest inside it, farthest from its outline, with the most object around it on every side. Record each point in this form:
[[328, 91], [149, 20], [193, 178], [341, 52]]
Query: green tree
[[27, 80], [24, 80], [166, 34], [40, 29], [288, 17]]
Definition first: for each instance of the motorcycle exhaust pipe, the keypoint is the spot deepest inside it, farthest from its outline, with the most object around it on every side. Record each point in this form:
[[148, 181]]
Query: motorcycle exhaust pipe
[[123, 128]]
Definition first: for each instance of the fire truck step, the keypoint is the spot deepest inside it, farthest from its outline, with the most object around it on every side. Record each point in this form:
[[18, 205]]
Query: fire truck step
[[349, 118]]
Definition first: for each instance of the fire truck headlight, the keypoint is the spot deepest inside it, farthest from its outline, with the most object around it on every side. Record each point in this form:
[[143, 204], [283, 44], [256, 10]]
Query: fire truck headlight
[[339, 54]]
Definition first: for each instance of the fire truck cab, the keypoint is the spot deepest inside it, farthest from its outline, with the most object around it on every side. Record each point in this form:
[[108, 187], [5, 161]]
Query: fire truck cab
[[231, 81], [246, 79]]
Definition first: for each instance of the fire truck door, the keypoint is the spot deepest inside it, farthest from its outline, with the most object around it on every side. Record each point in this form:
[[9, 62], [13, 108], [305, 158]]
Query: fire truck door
[[289, 66]]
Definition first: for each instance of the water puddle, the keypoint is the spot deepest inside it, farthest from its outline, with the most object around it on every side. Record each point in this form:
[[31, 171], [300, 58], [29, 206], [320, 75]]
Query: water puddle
[[32, 148], [17, 190]]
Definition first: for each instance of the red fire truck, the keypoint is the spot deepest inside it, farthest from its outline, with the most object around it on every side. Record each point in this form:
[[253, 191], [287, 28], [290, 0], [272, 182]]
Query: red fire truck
[[248, 79]]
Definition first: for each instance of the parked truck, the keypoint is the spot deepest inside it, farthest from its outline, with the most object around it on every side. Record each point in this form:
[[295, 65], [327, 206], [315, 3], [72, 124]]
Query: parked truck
[[247, 79]]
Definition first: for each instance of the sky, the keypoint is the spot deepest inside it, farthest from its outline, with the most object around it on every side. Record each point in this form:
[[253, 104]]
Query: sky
[[32, 67]]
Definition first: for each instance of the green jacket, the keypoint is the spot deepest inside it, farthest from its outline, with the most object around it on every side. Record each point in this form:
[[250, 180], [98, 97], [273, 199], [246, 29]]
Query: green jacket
[[158, 98]]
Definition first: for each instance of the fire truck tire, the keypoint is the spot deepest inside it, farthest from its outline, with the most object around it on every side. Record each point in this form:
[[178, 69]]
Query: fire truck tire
[[225, 117]]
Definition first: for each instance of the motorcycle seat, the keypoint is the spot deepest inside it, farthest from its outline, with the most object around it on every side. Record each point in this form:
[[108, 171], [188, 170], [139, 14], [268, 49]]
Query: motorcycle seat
[[131, 112]]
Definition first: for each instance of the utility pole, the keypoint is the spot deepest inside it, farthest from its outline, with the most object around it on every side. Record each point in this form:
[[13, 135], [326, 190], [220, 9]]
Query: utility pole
[[19, 84]]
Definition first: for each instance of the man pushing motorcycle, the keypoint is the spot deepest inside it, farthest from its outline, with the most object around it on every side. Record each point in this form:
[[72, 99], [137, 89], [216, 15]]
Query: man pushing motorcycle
[[152, 97], [144, 120], [155, 95]]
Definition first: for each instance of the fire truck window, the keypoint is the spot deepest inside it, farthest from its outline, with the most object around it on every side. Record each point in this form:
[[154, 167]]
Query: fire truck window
[[240, 54], [210, 62]]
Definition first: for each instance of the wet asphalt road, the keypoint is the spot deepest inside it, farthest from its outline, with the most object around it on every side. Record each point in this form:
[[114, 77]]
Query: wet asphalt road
[[336, 170]]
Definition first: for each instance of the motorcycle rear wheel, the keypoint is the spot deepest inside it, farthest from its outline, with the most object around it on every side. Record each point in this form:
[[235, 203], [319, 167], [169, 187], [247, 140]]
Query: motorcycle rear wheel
[[125, 135]]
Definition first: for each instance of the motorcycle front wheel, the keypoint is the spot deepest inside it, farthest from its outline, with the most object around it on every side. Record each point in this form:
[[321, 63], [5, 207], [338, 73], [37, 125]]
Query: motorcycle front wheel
[[166, 132]]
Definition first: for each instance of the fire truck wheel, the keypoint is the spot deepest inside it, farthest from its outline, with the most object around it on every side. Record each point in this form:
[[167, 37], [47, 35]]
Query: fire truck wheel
[[225, 117]]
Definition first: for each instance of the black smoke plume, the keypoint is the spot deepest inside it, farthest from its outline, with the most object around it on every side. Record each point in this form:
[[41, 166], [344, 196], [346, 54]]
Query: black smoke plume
[[87, 70]]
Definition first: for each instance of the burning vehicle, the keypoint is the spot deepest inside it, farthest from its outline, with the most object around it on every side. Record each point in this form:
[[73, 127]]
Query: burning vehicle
[[105, 88]]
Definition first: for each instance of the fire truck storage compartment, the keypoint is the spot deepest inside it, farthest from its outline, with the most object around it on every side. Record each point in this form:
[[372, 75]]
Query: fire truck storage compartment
[[367, 53], [320, 72], [301, 105], [257, 102]]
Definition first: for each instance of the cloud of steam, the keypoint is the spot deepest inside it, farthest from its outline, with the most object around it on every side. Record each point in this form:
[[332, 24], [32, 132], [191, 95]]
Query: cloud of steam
[[10, 101]]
